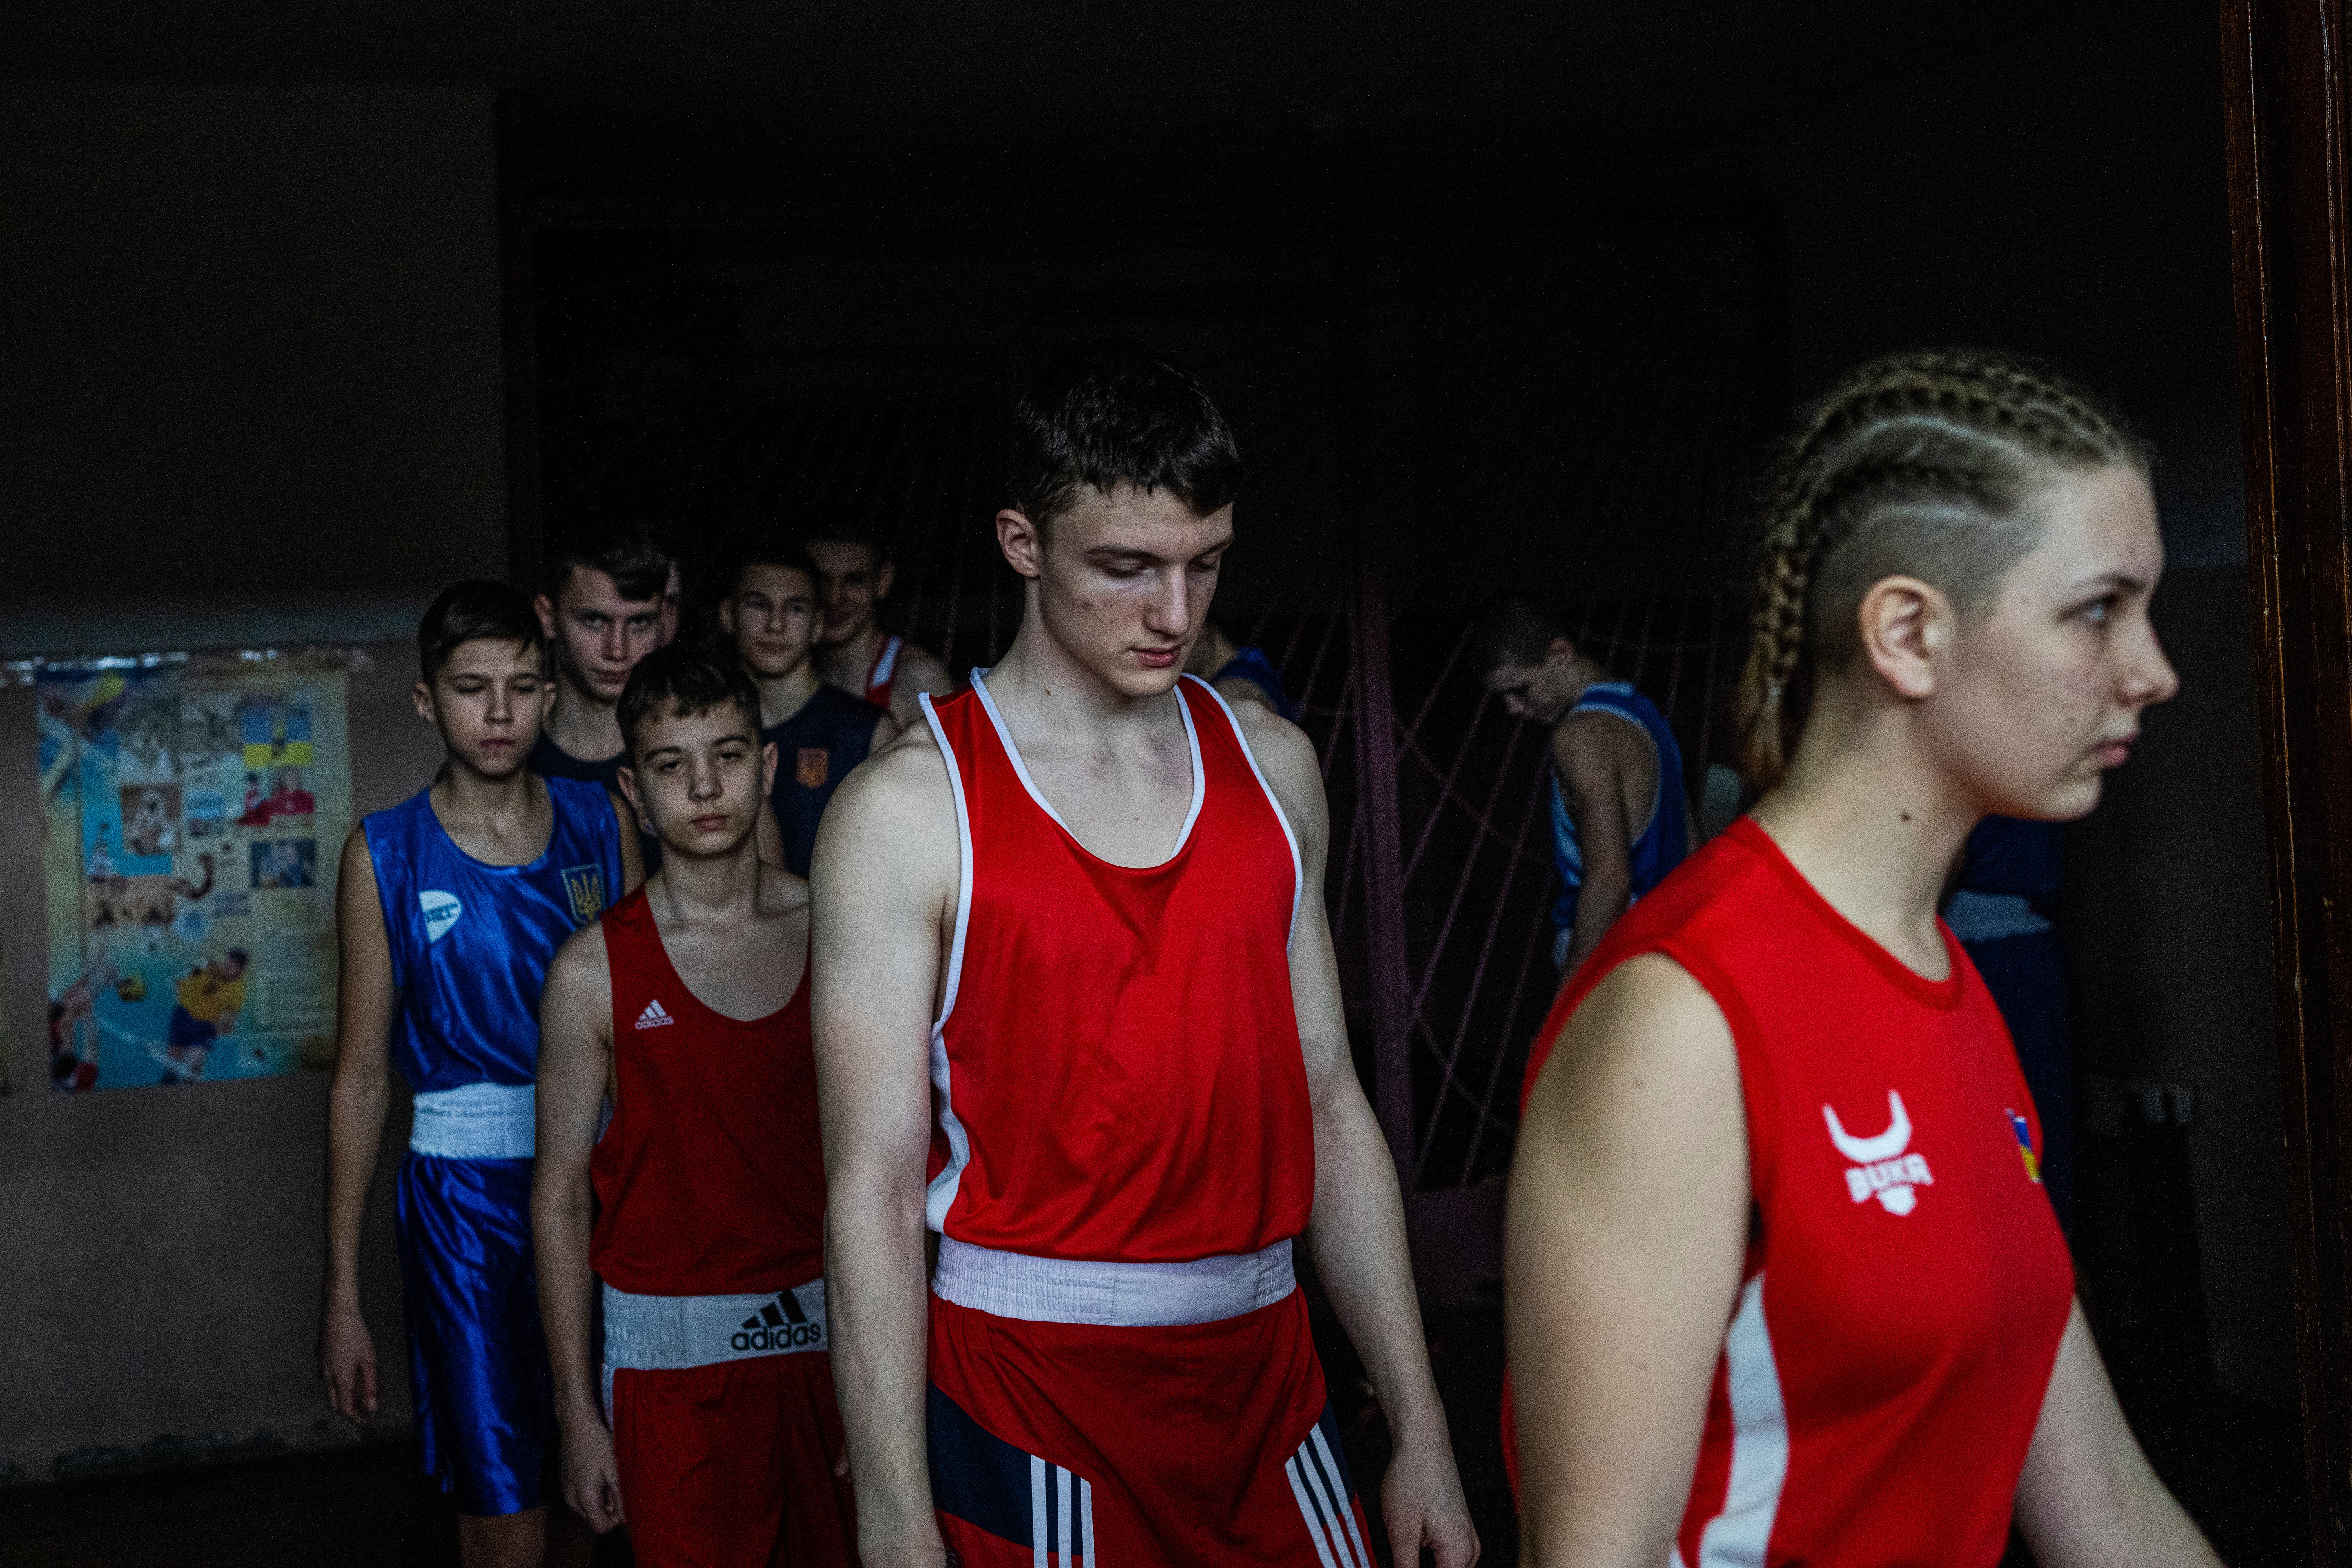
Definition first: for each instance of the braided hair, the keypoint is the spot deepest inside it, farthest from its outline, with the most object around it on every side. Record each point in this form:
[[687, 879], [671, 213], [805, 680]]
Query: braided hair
[[1920, 463]]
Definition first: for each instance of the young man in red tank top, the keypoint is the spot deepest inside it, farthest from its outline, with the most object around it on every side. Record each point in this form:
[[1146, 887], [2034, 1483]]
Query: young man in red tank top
[[1070, 938], [853, 652], [714, 1432]]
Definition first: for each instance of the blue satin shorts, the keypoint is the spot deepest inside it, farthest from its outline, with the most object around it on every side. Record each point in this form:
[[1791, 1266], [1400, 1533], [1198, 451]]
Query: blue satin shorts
[[476, 1352]]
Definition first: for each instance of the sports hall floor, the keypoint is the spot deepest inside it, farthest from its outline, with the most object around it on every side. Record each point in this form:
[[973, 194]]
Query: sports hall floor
[[2236, 1467]]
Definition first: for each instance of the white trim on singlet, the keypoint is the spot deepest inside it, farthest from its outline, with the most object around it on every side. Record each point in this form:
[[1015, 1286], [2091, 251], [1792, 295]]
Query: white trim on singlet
[[886, 664], [1739, 1535], [1021, 772], [1297, 865], [940, 1195]]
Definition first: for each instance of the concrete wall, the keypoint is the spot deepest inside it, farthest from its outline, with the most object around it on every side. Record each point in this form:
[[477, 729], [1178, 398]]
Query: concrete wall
[[251, 354], [249, 394]]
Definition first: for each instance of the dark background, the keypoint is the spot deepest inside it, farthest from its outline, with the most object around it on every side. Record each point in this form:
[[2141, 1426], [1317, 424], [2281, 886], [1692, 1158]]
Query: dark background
[[1507, 296]]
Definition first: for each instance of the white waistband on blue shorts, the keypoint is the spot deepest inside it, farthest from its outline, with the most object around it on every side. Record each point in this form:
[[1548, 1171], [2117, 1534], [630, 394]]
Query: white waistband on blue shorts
[[477, 1122], [1112, 1295]]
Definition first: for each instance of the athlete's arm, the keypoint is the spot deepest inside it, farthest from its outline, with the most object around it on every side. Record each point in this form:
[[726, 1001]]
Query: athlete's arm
[[881, 884], [2088, 1498], [1592, 778], [575, 1067], [1623, 1239], [920, 671], [632, 854], [364, 1000], [1356, 1233]]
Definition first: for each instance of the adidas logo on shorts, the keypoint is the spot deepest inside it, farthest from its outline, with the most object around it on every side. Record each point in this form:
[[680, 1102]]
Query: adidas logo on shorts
[[781, 1325], [653, 1016]]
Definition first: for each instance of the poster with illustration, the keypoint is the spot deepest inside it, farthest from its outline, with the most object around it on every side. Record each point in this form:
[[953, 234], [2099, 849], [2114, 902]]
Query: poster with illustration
[[191, 907]]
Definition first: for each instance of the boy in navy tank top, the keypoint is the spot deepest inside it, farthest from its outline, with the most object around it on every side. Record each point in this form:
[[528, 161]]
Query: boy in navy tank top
[[612, 598], [697, 1210], [1070, 935], [1619, 818], [450, 906], [819, 730]]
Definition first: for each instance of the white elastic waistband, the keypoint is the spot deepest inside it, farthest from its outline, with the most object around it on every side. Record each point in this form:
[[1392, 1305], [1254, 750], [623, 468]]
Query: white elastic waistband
[[478, 1121], [668, 1333], [1112, 1295]]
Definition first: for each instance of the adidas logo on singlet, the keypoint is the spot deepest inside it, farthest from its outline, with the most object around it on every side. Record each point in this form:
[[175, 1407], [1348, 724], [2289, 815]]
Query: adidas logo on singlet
[[653, 1016], [1881, 1168], [781, 1325]]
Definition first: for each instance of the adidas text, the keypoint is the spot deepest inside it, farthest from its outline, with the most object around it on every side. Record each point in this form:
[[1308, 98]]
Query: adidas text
[[781, 1325], [790, 1336], [653, 1016]]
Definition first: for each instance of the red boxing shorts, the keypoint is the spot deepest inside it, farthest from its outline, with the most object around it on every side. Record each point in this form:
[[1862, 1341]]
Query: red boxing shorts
[[730, 1466], [1154, 1444]]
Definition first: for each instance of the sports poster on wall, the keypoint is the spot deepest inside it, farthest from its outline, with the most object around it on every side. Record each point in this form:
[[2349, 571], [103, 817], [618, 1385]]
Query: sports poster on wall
[[194, 812]]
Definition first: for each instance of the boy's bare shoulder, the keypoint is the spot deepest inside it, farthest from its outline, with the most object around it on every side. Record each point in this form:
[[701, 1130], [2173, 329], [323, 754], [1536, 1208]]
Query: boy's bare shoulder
[[909, 773], [782, 893], [1278, 744], [580, 961]]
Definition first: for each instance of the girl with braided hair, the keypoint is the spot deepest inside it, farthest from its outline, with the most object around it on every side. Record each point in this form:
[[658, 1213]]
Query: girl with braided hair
[[1782, 1283]]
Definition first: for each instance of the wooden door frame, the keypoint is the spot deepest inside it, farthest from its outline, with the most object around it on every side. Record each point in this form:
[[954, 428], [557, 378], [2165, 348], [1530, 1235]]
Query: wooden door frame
[[2284, 83]]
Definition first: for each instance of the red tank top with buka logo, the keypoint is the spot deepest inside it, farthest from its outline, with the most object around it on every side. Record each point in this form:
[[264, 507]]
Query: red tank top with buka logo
[[1903, 1299], [709, 1179], [1117, 1064]]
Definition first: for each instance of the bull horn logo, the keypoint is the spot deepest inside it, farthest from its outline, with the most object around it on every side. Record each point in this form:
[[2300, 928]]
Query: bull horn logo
[[1870, 1150], [1882, 1167]]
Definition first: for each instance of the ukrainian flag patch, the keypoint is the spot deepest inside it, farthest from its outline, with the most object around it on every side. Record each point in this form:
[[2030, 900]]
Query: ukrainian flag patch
[[2025, 1130]]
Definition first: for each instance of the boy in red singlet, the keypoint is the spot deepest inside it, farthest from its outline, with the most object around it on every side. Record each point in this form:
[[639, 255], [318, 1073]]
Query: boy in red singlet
[[1077, 911], [1783, 1285], [852, 651], [685, 1007]]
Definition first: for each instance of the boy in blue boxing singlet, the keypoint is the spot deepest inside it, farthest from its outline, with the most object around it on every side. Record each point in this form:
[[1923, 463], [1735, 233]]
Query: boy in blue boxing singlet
[[450, 906], [1620, 818]]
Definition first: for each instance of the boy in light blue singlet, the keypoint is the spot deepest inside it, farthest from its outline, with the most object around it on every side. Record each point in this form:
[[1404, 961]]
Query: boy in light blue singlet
[[1619, 818], [450, 906]]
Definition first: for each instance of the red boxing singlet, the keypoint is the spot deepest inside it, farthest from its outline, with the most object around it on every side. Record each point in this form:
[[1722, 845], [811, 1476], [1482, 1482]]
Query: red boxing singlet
[[709, 1179], [883, 675], [1118, 1062], [1904, 1298]]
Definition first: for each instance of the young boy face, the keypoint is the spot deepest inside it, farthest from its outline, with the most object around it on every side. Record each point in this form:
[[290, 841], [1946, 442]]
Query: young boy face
[[699, 779], [488, 700], [598, 634], [849, 581], [772, 615]]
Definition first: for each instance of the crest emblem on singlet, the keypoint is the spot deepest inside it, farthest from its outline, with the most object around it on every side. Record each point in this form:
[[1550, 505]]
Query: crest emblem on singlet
[[441, 911], [2024, 1132], [584, 885], [813, 766], [1882, 1167]]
